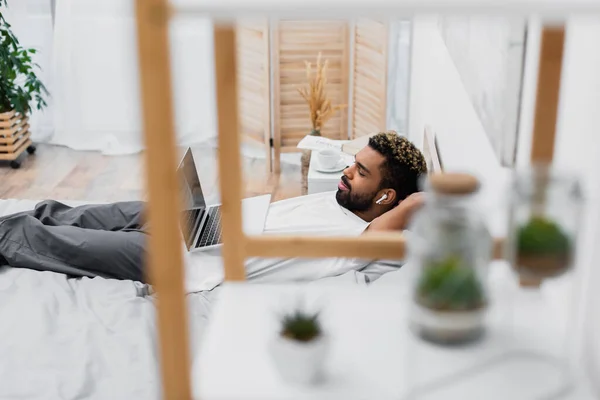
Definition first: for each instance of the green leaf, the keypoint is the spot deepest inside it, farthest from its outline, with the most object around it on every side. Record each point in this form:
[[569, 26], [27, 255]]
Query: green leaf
[[19, 85]]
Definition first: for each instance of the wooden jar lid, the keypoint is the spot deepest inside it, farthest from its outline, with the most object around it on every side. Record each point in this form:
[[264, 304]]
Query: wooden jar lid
[[453, 183]]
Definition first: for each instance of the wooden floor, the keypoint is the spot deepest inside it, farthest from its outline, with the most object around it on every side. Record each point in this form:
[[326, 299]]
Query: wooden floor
[[60, 173]]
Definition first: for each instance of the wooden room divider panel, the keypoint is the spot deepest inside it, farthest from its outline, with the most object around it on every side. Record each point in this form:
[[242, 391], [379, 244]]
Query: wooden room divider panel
[[271, 60], [295, 42], [254, 82], [369, 78]]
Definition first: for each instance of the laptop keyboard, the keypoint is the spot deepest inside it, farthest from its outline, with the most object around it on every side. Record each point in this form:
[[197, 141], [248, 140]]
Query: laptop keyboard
[[211, 233]]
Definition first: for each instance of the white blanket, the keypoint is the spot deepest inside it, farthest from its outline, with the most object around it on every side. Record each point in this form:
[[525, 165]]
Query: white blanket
[[81, 338]]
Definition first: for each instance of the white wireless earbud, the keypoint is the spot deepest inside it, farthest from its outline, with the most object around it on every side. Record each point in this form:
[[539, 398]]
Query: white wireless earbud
[[381, 199]]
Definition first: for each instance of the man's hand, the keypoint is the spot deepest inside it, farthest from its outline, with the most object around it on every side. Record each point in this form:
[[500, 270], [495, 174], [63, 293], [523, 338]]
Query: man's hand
[[412, 203], [397, 219]]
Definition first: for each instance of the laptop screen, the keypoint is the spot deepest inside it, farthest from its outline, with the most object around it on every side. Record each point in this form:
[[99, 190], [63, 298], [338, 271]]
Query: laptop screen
[[191, 190], [191, 196]]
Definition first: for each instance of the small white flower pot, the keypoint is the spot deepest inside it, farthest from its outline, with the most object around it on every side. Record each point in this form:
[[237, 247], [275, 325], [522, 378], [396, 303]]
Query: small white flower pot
[[300, 362], [448, 327]]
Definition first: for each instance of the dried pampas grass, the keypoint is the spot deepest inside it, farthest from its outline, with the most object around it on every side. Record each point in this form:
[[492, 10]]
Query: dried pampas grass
[[316, 97]]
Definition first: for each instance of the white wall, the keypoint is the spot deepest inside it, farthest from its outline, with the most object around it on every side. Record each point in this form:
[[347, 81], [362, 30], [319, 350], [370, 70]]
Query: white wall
[[577, 148], [488, 54], [398, 75], [439, 99]]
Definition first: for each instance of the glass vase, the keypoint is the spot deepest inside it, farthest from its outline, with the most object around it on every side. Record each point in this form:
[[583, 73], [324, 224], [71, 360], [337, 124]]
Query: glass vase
[[450, 252], [544, 221], [543, 230]]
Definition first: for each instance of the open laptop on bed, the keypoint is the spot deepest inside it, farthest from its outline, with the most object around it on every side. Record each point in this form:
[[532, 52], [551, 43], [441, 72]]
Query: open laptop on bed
[[201, 223]]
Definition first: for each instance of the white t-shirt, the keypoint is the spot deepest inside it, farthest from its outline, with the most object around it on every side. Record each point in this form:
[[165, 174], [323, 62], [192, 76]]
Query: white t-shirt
[[313, 215]]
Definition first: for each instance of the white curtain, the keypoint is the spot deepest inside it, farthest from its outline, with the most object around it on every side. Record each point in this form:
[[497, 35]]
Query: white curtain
[[89, 61]]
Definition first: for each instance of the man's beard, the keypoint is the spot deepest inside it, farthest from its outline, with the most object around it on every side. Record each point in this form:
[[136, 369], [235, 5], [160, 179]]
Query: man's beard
[[352, 201]]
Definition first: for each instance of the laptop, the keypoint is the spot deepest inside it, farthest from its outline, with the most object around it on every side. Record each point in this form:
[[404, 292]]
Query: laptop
[[201, 223]]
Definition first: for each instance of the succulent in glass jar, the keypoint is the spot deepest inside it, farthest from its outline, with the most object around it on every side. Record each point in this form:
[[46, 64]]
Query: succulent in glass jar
[[448, 285], [449, 297], [452, 302], [452, 254], [545, 217]]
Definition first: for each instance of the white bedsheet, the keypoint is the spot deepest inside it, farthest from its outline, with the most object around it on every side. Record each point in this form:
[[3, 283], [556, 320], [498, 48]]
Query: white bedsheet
[[81, 338]]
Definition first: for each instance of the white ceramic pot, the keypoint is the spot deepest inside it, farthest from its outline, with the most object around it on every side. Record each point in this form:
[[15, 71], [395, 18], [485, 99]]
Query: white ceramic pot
[[448, 327], [300, 362]]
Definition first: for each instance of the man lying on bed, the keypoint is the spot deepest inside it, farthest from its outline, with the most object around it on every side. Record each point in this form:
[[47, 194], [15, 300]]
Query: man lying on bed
[[377, 192]]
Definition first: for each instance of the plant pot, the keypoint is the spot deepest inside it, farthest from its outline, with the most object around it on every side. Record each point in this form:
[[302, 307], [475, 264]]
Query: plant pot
[[14, 136], [543, 251], [540, 266], [300, 362], [448, 326]]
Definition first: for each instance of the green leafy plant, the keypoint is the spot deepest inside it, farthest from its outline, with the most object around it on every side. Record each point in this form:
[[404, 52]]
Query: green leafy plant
[[448, 285], [19, 84], [543, 248], [301, 326], [541, 236]]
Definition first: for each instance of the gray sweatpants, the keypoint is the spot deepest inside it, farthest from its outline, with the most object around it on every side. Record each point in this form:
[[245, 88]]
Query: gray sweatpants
[[92, 240]]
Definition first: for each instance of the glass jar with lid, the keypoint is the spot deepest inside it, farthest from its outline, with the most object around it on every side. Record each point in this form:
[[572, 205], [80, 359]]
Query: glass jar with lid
[[450, 249], [544, 220]]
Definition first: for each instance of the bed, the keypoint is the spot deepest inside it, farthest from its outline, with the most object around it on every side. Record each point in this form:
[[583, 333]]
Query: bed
[[68, 338]]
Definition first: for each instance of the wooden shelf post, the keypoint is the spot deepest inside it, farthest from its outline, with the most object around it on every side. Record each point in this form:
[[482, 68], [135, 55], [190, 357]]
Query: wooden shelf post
[[164, 248]]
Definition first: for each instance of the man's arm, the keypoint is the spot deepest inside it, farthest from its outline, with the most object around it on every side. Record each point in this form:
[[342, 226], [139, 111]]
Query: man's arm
[[398, 218]]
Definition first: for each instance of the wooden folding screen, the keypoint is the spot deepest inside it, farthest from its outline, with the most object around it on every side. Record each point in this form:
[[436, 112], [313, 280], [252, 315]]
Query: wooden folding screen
[[254, 82], [369, 78], [295, 42], [271, 58]]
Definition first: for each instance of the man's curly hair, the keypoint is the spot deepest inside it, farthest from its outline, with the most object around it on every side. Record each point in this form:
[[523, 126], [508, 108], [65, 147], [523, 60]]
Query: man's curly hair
[[404, 163]]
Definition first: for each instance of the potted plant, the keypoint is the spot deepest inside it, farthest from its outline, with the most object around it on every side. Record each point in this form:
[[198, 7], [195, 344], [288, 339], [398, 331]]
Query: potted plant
[[300, 347], [543, 248], [450, 301], [19, 87], [319, 105]]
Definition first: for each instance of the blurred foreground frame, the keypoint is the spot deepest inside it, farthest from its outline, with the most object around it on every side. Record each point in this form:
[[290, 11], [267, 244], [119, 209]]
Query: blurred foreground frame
[[165, 258]]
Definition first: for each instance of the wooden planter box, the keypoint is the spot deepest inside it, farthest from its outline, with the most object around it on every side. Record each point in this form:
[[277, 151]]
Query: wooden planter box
[[14, 137]]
